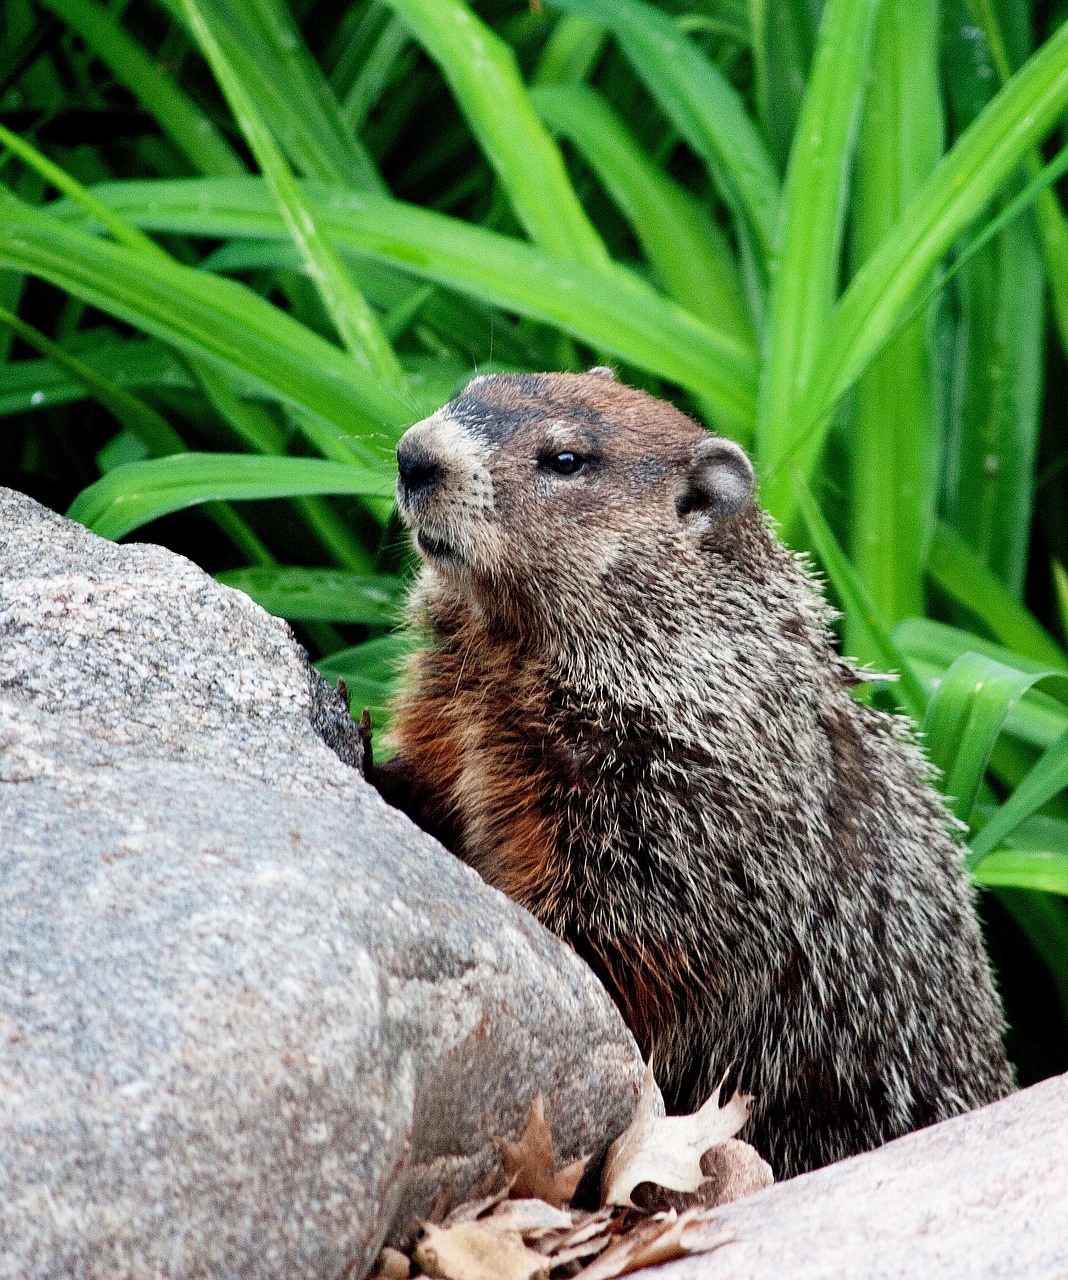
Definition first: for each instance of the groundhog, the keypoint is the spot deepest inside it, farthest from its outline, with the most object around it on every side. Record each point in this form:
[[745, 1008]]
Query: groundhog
[[629, 715]]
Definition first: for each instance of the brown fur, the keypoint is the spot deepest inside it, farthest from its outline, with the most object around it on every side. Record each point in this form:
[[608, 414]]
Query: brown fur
[[630, 717]]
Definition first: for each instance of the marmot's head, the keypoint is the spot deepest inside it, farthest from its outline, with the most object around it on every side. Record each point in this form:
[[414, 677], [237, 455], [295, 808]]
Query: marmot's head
[[549, 483]]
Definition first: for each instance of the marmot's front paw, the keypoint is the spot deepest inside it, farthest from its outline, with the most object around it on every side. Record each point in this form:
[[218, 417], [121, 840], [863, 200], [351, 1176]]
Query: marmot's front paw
[[363, 728]]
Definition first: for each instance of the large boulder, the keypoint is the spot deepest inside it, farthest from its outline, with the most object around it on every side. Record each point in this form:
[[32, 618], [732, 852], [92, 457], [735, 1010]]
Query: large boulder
[[252, 1021]]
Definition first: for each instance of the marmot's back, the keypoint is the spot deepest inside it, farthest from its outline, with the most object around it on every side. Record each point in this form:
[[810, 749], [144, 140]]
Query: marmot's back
[[632, 720]]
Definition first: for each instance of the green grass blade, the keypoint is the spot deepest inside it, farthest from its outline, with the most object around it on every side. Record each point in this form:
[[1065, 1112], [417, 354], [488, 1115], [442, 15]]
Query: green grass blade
[[965, 718], [689, 253], [123, 362], [705, 108], [1034, 856], [1043, 870], [131, 496], [962, 575], [806, 279], [152, 430], [892, 438], [279, 50], [858, 605], [611, 309], [783, 38], [997, 357], [1060, 590], [354, 320], [932, 647], [482, 73], [268, 54], [191, 130], [300, 594], [1050, 219], [995, 409], [369, 83], [1047, 778], [247, 421], [571, 51], [208, 318], [978, 164]]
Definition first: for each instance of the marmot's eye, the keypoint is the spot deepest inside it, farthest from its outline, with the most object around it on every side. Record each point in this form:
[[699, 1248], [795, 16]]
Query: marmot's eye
[[564, 464]]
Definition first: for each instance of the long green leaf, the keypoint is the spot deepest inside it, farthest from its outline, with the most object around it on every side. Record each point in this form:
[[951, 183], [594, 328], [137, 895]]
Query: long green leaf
[[997, 358], [806, 280], [1033, 856], [208, 318], [482, 73], [962, 575], [131, 496], [1039, 718], [856, 601], [191, 130], [965, 718], [1047, 778], [1060, 591], [123, 362], [571, 51], [783, 38], [1050, 220], [892, 437], [688, 251], [995, 413], [1044, 870], [963, 183], [278, 51], [297, 593], [611, 309], [139, 418], [705, 108], [354, 319]]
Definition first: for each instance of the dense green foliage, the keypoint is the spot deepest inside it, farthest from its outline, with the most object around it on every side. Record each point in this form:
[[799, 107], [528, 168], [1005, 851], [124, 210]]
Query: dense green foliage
[[243, 245]]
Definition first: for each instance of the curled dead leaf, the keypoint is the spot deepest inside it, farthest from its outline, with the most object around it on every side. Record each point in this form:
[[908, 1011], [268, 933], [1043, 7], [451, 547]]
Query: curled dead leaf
[[476, 1251], [667, 1150], [660, 1239], [528, 1216]]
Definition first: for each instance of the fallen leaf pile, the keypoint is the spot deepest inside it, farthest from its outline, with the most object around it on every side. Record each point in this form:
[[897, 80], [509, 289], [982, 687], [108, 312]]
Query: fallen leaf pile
[[525, 1231]]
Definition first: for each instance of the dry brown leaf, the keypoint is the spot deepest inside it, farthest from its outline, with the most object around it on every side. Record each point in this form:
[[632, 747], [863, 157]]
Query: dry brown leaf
[[667, 1150], [531, 1162], [659, 1239], [475, 1251], [527, 1216], [587, 1226]]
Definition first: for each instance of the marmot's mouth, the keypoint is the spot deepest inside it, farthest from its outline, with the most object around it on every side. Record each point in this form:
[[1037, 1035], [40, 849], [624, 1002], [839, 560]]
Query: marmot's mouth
[[436, 548]]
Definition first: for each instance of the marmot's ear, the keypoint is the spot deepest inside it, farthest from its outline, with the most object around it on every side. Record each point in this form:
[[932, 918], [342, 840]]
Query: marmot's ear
[[719, 481], [603, 371]]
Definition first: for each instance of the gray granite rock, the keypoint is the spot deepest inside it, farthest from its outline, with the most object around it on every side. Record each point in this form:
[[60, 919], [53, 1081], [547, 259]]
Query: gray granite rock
[[981, 1197], [252, 1021]]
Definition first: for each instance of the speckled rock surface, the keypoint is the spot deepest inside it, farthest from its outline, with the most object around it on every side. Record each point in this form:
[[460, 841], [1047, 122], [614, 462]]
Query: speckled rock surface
[[981, 1197], [251, 1019]]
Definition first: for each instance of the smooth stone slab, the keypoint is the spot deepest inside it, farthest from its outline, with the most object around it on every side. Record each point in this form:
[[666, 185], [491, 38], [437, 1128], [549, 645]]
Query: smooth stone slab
[[980, 1196]]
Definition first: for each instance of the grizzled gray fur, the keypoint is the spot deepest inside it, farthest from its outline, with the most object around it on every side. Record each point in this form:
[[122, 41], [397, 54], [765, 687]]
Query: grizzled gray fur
[[630, 716]]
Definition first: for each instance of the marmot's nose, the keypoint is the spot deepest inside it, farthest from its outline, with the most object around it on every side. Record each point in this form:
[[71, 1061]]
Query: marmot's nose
[[418, 469]]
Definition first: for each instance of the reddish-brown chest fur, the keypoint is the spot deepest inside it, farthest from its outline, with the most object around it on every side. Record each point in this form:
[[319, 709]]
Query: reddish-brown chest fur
[[492, 771], [471, 726]]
